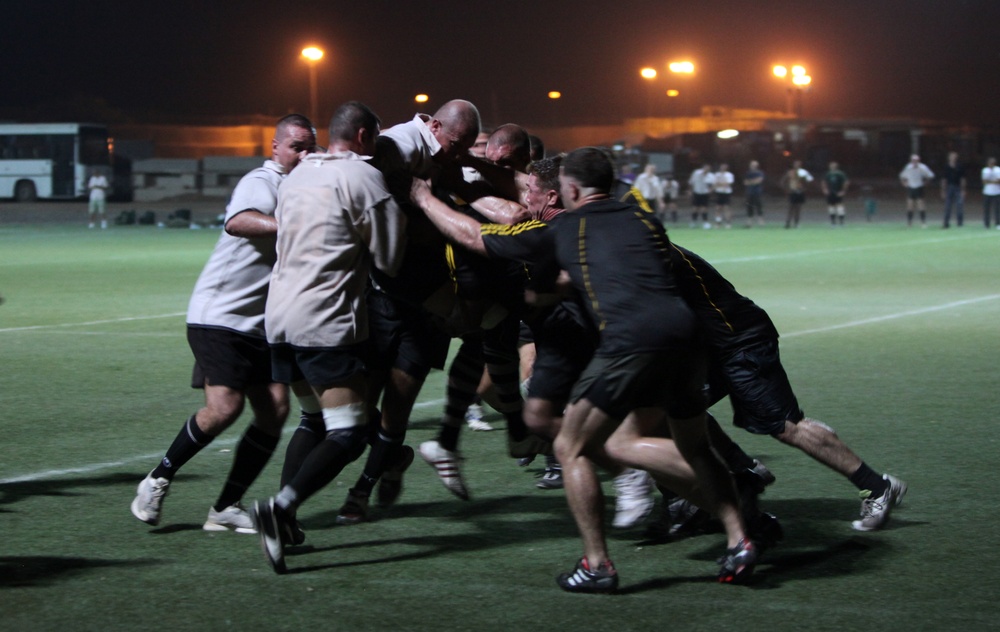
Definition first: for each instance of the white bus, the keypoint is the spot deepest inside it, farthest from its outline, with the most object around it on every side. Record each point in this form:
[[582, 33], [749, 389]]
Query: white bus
[[51, 160]]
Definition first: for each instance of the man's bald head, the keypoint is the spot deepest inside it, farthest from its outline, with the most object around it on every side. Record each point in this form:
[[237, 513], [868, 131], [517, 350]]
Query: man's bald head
[[509, 146], [455, 126]]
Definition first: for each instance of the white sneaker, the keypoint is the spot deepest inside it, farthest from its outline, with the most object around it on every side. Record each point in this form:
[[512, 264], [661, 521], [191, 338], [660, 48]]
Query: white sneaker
[[474, 418], [634, 502], [875, 511], [446, 464], [233, 517], [149, 499]]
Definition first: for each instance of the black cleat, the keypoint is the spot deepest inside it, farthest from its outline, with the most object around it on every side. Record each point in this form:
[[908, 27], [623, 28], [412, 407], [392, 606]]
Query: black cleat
[[584, 580]]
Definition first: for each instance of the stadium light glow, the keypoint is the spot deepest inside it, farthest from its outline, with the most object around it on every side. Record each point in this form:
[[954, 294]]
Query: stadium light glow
[[780, 71], [681, 67], [728, 133], [648, 73], [421, 98], [555, 94], [673, 93]]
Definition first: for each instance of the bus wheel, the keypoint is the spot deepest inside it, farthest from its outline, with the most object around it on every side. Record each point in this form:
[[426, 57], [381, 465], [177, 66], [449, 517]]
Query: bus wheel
[[25, 191]]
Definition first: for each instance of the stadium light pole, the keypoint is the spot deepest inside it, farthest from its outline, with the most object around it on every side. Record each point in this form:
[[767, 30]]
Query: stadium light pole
[[799, 79], [682, 68], [649, 74], [312, 55]]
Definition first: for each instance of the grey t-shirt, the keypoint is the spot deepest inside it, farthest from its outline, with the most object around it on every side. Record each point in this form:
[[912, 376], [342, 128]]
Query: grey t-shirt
[[232, 289]]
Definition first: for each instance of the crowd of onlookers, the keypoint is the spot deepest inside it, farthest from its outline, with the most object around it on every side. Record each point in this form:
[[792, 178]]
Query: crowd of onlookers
[[710, 192]]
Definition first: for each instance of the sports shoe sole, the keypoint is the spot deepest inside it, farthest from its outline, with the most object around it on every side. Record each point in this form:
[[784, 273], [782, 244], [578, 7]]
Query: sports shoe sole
[[270, 538]]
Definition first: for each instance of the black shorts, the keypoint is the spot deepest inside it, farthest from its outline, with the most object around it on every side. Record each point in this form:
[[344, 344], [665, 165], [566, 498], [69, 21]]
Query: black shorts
[[319, 366], [915, 193], [223, 357], [671, 380], [404, 337], [700, 199], [563, 348], [722, 199], [834, 199], [758, 388], [797, 197]]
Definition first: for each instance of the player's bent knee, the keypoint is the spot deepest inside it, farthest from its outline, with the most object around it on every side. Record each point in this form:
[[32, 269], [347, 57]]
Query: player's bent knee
[[346, 426]]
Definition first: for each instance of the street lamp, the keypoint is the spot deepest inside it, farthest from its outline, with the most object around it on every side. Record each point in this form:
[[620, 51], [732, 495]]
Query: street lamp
[[649, 74], [681, 67], [800, 81], [312, 55], [684, 68]]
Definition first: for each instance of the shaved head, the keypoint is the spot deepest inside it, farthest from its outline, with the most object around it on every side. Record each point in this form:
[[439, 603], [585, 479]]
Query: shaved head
[[455, 126], [509, 146]]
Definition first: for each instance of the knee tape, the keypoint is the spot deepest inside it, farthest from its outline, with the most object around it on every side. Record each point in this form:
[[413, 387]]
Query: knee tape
[[344, 417]]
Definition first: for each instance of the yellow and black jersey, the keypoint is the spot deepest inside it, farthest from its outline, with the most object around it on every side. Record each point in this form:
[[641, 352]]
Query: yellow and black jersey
[[728, 318], [617, 256]]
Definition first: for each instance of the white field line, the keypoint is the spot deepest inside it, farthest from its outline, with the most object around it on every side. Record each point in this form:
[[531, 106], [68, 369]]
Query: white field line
[[109, 321], [846, 249], [888, 317]]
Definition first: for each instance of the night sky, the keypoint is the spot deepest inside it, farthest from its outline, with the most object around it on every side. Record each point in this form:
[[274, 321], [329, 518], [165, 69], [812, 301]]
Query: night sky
[[197, 61]]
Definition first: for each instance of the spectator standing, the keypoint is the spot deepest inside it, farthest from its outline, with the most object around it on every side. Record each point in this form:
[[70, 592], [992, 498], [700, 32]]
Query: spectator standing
[[953, 190], [753, 181], [795, 181], [671, 191], [834, 186], [651, 187], [723, 187], [914, 176], [701, 182], [97, 185], [991, 192]]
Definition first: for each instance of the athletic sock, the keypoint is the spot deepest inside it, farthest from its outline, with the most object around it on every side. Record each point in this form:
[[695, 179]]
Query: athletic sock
[[383, 453], [502, 363], [449, 433], [188, 442], [464, 375], [252, 454], [307, 436], [323, 465], [867, 478]]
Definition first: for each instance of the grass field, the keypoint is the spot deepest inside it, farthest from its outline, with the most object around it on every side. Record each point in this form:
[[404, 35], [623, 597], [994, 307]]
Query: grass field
[[891, 336]]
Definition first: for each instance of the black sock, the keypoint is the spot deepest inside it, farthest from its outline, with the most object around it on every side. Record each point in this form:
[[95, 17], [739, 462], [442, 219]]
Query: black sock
[[252, 454], [448, 436], [867, 478], [384, 452], [325, 462], [734, 456], [307, 436], [188, 442]]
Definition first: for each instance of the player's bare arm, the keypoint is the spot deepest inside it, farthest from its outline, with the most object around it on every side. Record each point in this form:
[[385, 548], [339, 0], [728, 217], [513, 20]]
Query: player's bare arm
[[456, 227], [252, 224]]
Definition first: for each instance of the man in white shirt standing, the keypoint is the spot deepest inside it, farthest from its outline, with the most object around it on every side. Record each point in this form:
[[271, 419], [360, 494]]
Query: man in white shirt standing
[[225, 328], [651, 187], [914, 176], [701, 182], [723, 186], [991, 192], [97, 207]]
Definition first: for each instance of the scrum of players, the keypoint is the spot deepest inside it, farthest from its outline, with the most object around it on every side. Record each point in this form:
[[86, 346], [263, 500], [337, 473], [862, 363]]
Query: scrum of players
[[344, 274]]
